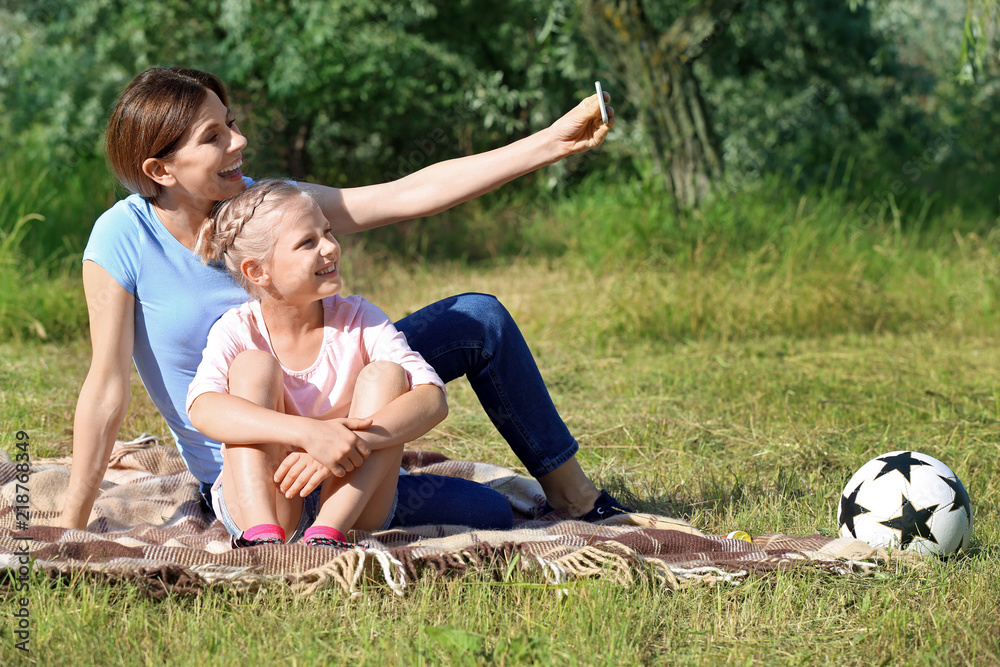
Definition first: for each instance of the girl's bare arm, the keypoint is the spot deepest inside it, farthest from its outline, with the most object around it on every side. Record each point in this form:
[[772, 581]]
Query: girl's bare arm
[[406, 418], [238, 421]]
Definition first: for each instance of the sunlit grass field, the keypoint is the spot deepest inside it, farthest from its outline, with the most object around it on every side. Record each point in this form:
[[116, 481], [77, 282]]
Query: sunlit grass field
[[732, 368], [755, 433]]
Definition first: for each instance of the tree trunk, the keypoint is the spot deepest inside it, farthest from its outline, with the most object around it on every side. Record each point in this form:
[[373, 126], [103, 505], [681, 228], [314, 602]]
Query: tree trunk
[[657, 72], [298, 152], [686, 150]]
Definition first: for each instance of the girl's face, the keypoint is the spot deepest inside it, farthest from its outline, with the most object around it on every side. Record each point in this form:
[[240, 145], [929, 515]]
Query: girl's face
[[206, 164], [305, 264]]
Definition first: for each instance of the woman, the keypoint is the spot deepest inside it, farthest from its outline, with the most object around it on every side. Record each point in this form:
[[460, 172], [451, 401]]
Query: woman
[[172, 141]]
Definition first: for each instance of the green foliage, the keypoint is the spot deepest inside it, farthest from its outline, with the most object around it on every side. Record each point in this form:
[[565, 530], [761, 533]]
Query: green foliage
[[979, 38], [364, 91], [349, 94], [40, 292], [791, 83], [863, 98]]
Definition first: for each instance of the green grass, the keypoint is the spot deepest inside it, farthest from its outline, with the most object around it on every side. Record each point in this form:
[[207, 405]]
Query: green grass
[[45, 217], [754, 432], [733, 367], [786, 618]]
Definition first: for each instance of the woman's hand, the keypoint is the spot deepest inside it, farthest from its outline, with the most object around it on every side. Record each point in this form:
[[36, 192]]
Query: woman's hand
[[582, 128], [300, 474]]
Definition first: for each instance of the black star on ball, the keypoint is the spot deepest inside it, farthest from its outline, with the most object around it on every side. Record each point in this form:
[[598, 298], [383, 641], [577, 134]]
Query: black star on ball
[[850, 509], [901, 462], [962, 500], [911, 523]]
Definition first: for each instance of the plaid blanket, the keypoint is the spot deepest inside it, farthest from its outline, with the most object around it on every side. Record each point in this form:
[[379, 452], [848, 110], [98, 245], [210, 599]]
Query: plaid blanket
[[147, 526]]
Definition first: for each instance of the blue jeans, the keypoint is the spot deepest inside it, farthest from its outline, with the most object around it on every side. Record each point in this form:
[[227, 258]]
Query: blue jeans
[[475, 336], [420, 500], [435, 499]]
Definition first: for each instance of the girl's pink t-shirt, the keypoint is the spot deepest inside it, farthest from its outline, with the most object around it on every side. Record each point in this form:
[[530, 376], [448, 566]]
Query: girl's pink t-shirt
[[356, 333]]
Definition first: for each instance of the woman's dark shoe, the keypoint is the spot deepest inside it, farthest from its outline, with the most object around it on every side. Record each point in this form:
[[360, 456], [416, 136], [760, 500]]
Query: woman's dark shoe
[[605, 507]]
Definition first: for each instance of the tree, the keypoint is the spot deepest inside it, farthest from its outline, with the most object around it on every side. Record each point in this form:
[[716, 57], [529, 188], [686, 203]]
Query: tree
[[725, 90], [366, 91], [654, 55], [796, 85]]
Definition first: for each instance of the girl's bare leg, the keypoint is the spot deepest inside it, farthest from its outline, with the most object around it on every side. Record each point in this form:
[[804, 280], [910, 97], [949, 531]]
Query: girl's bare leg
[[251, 495], [363, 499]]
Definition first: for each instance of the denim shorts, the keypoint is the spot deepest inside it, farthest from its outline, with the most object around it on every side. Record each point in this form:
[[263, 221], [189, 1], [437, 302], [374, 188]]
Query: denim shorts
[[310, 510]]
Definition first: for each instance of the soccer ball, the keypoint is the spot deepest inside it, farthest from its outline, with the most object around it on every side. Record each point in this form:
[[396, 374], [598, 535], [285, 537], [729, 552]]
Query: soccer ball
[[907, 500]]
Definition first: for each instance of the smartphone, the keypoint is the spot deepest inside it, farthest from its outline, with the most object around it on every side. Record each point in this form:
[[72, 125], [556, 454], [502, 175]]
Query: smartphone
[[600, 100]]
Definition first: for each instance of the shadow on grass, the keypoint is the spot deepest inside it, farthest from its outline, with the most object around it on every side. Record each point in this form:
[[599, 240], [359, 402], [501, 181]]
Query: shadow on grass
[[718, 492]]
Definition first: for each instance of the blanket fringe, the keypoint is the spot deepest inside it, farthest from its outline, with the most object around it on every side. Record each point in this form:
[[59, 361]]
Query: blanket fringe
[[554, 574], [392, 570], [239, 578], [626, 566], [593, 561], [346, 570]]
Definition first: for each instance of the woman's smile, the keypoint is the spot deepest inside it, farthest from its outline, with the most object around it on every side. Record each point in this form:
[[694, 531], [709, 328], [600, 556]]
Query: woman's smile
[[232, 171]]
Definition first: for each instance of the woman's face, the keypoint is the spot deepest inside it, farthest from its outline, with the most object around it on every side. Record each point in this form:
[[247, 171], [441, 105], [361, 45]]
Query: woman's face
[[206, 164]]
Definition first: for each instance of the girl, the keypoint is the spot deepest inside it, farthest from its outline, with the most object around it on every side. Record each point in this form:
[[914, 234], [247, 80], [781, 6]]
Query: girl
[[300, 349], [173, 142]]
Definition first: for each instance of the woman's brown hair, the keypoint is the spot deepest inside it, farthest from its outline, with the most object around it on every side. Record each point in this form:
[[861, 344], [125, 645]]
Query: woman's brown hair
[[151, 116]]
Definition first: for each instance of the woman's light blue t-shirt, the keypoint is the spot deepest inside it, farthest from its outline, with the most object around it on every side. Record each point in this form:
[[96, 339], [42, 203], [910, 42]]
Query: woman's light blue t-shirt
[[177, 299]]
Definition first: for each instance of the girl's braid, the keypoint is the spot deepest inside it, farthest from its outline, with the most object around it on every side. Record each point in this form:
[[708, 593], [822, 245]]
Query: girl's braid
[[228, 218]]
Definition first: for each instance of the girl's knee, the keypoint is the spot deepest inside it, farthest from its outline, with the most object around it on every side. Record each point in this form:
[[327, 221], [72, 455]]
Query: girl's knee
[[383, 375], [256, 375]]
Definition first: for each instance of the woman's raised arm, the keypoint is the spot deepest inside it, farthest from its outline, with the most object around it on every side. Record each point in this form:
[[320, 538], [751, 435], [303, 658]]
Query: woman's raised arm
[[104, 398], [440, 186]]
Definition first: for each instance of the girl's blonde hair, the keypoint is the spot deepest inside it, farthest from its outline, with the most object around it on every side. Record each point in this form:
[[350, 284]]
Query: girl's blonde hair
[[242, 227]]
